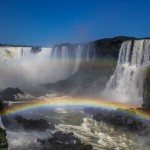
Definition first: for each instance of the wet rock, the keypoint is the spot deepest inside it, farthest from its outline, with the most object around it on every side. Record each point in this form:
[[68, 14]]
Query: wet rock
[[42, 142], [92, 76], [64, 141], [3, 140], [64, 138], [9, 94], [121, 118], [1, 105], [36, 49], [109, 47], [31, 124], [146, 88]]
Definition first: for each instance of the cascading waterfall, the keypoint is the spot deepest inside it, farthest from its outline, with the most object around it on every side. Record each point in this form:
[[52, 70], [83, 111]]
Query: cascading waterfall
[[88, 51], [71, 59], [64, 56], [1, 124], [39, 65], [78, 58], [126, 84], [9, 53], [65, 62], [54, 55], [44, 53]]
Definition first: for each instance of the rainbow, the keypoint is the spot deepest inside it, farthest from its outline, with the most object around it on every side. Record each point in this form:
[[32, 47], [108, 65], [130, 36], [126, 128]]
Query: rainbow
[[68, 101]]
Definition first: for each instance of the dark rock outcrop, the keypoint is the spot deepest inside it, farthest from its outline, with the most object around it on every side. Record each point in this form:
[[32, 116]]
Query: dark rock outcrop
[[3, 140], [64, 141], [9, 94], [1, 106], [146, 89], [109, 47], [121, 118], [40, 125], [35, 49]]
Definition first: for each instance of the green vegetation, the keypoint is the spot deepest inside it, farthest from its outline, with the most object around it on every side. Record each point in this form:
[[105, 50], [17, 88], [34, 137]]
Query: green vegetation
[[3, 140]]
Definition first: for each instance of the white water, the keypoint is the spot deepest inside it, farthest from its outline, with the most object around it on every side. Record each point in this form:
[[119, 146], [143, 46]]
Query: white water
[[126, 84], [9, 53], [146, 59], [1, 124], [103, 136], [26, 140], [23, 67], [100, 135], [78, 58]]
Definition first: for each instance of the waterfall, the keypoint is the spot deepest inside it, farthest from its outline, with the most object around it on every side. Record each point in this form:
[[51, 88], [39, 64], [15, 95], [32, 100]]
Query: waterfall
[[88, 52], [45, 53], [126, 84], [72, 57], [8, 53], [78, 58], [30, 66], [54, 55], [65, 59]]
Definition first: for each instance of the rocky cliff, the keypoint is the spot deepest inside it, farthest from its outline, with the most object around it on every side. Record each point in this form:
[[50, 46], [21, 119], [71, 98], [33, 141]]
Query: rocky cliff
[[109, 47], [92, 75], [3, 140], [146, 89], [90, 68]]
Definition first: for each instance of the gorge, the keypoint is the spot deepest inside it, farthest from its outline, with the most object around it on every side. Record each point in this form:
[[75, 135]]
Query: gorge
[[114, 69]]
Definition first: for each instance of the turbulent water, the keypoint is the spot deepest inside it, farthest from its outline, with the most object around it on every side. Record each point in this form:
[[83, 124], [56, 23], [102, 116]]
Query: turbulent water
[[126, 84], [100, 135], [24, 66]]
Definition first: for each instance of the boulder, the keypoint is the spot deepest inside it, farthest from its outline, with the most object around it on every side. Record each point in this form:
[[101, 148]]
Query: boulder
[[3, 140], [9, 94], [122, 118], [63, 141], [30, 124]]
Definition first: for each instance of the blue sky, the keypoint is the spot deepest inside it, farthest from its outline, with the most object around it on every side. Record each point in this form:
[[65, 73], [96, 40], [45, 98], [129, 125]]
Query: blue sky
[[49, 22]]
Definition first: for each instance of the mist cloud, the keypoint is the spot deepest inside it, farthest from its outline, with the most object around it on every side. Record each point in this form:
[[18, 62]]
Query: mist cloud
[[32, 70]]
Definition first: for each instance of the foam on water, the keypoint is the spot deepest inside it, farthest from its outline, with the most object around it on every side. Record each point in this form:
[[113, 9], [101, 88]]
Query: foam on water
[[103, 136]]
